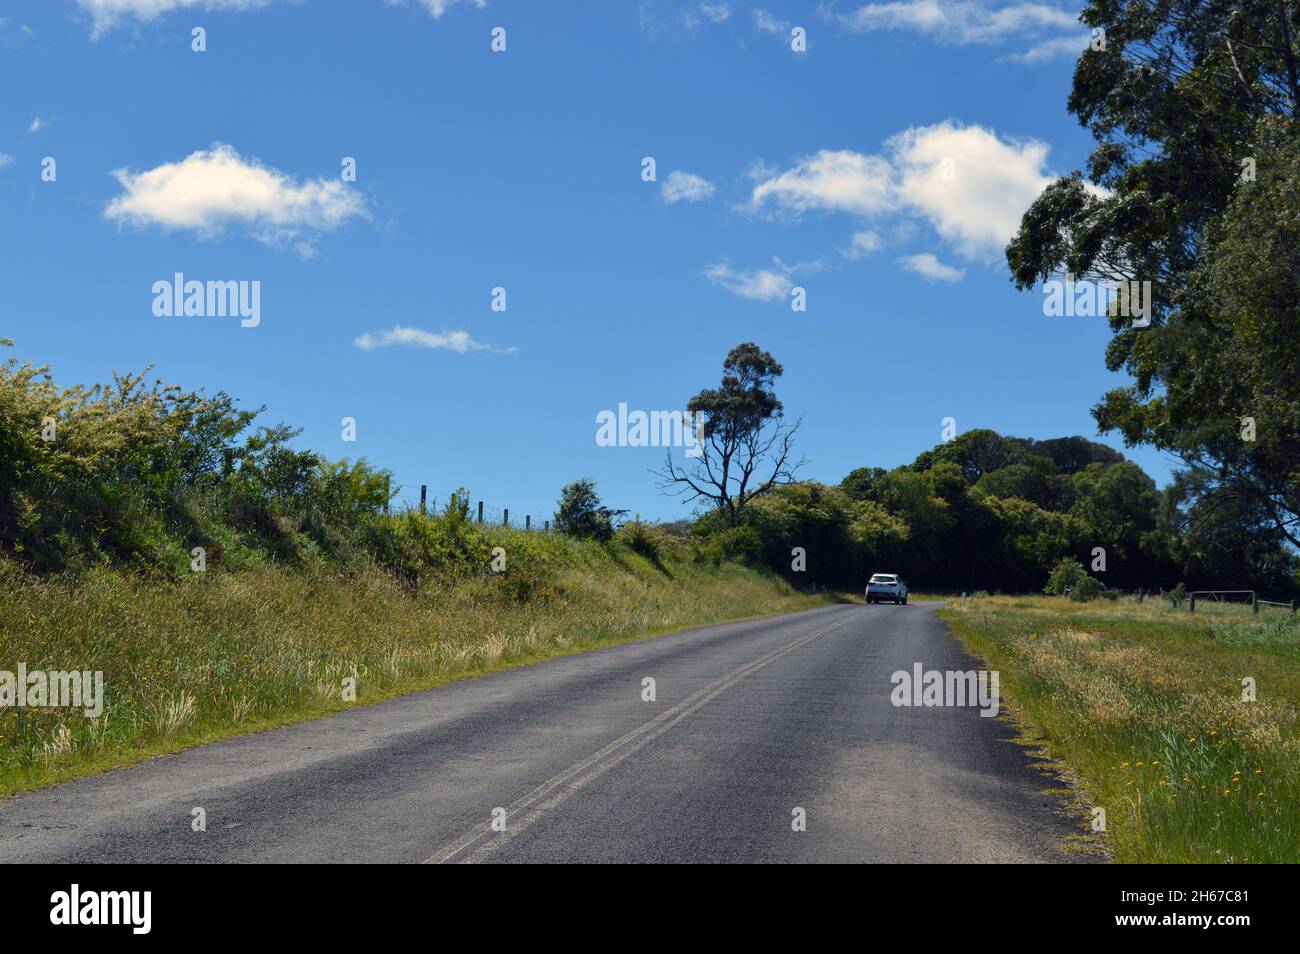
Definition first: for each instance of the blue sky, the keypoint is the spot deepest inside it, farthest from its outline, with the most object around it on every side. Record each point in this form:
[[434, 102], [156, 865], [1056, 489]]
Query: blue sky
[[880, 170]]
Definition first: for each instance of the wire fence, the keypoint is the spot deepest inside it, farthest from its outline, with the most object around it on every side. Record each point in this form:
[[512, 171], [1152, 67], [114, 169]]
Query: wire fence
[[491, 516], [1190, 598], [1236, 596]]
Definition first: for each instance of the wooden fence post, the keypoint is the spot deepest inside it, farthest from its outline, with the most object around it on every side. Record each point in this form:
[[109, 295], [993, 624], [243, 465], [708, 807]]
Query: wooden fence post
[[424, 492], [505, 518], [1254, 602], [528, 521], [1191, 603], [480, 511]]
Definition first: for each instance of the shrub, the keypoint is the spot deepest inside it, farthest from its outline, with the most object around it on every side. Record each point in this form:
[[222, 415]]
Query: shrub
[[1088, 588], [1066, 575], [740, 544], [580, 513], [643, 538]]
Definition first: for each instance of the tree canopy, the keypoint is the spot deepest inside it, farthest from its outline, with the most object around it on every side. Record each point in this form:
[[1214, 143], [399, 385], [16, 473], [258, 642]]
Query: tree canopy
[[745, 446], [1195, 107]]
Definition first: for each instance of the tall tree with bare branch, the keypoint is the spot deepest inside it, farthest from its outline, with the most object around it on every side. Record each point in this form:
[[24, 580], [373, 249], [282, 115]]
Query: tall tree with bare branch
[[745, 443]]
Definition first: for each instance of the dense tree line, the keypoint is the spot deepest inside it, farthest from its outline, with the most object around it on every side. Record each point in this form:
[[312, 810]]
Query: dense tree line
[[988, 512], [979, 512]]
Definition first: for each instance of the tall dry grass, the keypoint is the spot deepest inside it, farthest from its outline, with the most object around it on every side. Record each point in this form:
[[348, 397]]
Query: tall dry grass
[[1144, 703], [197, 658]]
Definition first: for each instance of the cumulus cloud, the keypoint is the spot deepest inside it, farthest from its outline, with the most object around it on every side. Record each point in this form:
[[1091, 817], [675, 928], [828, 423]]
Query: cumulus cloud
[[458, 341], [928, 266], [862, 244], [215, 189], [763, 284], [830, 180], [972, 186], [969, 184], [685, 187]]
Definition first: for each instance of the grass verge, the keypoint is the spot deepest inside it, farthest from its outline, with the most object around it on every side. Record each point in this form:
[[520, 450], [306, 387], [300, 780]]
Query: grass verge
[[193, 660], [1147, 708]]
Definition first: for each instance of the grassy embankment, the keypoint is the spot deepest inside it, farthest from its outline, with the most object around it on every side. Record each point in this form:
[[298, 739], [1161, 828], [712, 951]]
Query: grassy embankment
[[1143, 704], [195, 658]]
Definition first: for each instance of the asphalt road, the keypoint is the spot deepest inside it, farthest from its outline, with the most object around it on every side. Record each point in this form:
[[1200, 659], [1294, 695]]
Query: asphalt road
[[751, 721]]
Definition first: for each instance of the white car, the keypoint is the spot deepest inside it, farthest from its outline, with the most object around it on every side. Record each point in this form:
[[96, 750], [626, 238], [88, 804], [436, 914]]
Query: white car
[[886, 586]]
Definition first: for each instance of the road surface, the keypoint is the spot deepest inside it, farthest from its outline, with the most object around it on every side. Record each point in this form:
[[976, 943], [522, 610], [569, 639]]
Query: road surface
[[751, 722]]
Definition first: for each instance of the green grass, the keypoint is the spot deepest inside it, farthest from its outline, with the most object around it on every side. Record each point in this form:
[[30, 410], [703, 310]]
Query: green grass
[[1143, 704], [213, 654]]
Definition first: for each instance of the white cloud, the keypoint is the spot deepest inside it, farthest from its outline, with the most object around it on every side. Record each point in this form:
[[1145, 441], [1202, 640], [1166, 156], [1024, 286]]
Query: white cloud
[[106, 14], [992, 182], [685, 187], [37, 125], [693, 17], [770, 24], [6, 160], [213, 189], [970, 22], [959, 21], [1057, 47], [437, 8], [862, 244], [715, 12], [830, 180], [763, 284], [458, 341], [969, 184], [930, 268]]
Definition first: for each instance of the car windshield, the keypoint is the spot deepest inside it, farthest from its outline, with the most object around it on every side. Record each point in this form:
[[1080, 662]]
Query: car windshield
[[883, 578]]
